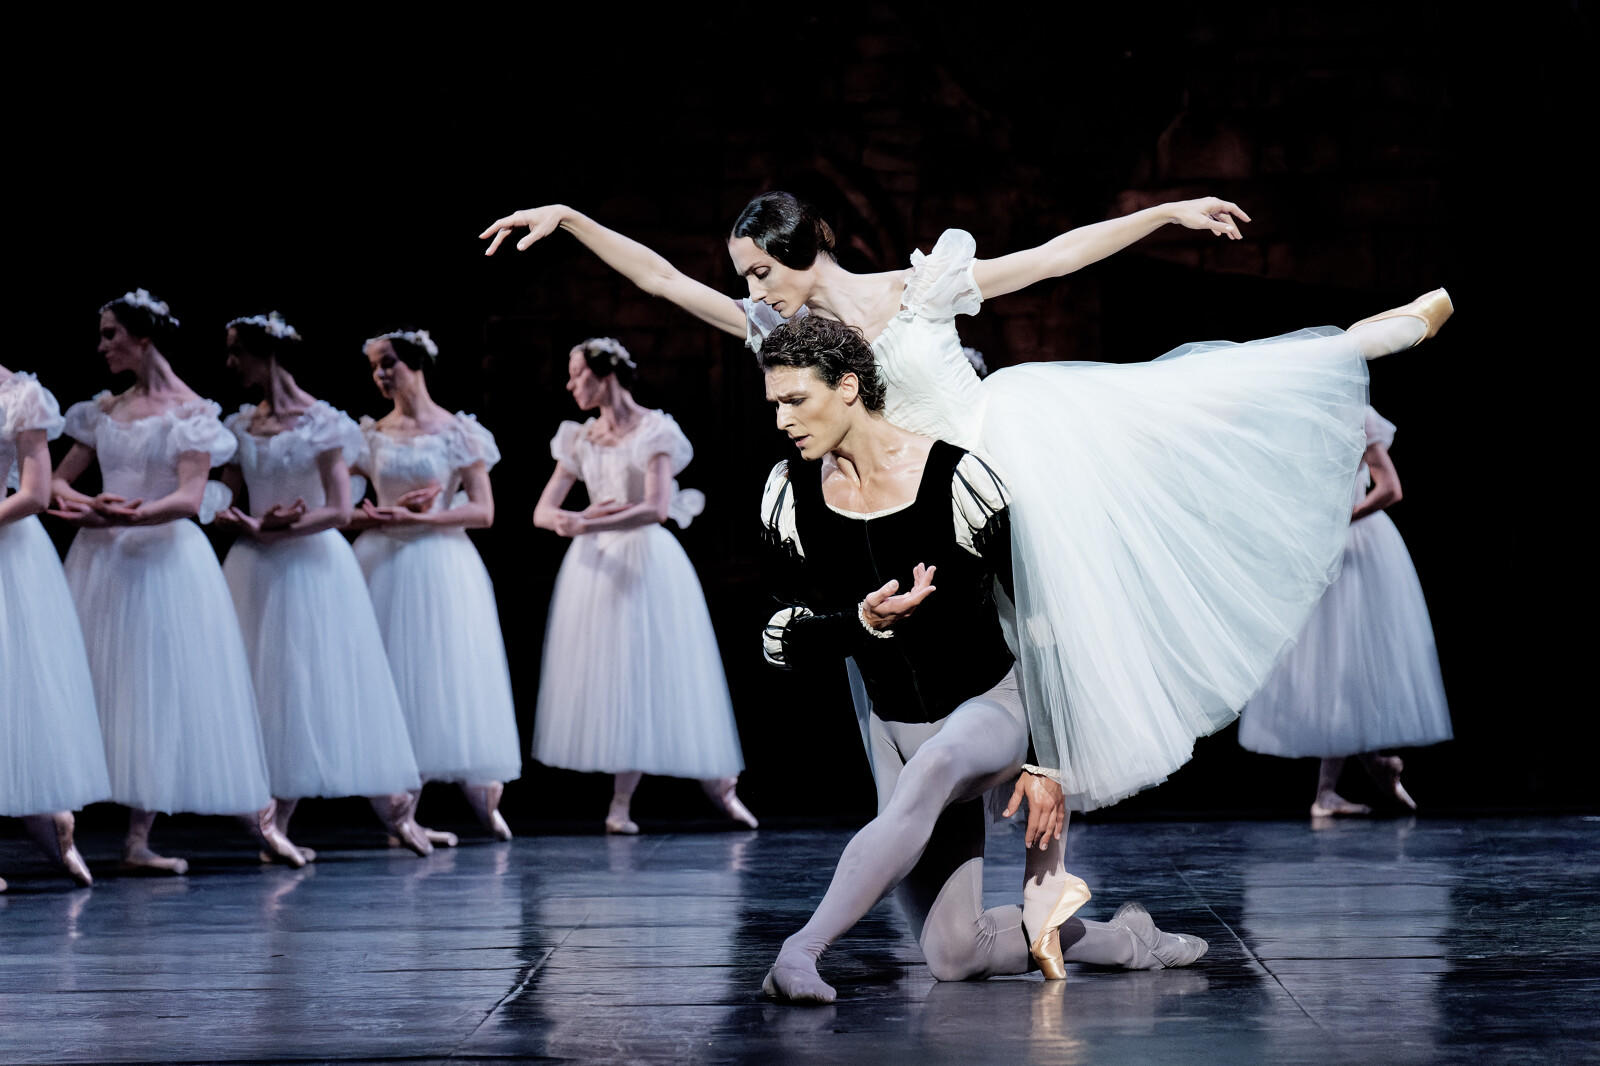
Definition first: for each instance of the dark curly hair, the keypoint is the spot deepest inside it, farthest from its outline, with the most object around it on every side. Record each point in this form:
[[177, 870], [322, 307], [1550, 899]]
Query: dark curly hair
[[830, 347], [786, 228]]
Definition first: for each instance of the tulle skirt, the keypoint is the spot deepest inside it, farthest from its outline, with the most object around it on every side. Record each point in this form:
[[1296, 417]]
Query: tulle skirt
[[330, 715], [436, 611], [632, 679], [51, 756], [1364, 675], [170, 676], [1173, 523]]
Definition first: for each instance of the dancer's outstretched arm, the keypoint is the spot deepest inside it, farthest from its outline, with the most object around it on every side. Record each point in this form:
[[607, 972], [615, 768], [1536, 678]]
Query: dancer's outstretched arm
[[1077, 248], [640, 265]]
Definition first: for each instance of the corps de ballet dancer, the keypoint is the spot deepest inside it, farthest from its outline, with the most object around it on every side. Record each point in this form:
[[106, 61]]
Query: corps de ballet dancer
[[1364, 676], [171, 679], [432, 595], [631, 681], [886, 509], [1174, 521], [52, 761], [330, 715]]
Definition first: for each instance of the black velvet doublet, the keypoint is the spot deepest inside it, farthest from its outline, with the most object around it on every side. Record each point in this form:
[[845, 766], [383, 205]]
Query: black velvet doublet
[[951, 649]]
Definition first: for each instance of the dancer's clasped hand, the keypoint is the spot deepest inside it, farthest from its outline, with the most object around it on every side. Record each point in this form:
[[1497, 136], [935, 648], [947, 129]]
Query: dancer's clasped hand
[[888, 606], [1047, 808]]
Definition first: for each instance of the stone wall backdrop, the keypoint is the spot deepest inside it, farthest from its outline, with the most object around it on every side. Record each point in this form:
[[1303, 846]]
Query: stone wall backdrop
[[1380, 149]]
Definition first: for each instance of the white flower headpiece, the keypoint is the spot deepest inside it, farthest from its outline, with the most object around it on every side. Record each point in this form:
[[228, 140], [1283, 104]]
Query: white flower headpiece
[[272, 323], [142, 298], [613, 350], [419, 337]]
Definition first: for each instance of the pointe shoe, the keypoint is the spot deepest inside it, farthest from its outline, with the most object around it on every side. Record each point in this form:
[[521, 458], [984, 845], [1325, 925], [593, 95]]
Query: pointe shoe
[[1046, 947], [724, 793], [1333, 805], [139, 857], [1389, 780], [53, 834], [1165, 951], [1433, 308], [485, 802], [264, 827], [399, 816], [622, 826]]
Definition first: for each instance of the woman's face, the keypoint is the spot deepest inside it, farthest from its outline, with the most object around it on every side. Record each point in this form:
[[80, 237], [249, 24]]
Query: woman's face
[[782, 288], [587, 390], [390, 375], [253, 370], [122, 350], [814, 416]]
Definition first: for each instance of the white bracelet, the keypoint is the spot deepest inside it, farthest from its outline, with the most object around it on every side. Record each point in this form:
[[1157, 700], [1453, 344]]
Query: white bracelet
[[1040, 771], [861, 613]]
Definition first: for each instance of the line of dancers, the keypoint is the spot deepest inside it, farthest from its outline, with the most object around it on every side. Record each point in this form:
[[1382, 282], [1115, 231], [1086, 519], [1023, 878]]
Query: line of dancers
[[1126, 552]]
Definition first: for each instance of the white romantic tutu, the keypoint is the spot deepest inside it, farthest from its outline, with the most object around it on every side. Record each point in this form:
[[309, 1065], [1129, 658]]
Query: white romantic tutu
[[1173, 523], [51, 756], [1364, 675], [436, 611], [176, 705], [330, 716], [632, 679]]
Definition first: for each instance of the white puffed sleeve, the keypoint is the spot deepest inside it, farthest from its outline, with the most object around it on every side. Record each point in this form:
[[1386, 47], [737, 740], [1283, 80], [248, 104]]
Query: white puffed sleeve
[[777, 510], [760, 320], [196, 427], [83, 418], [564, 447], [1379, 429], [662, 437], [325, 428], [471, 443], [941, 285], [26, 405]]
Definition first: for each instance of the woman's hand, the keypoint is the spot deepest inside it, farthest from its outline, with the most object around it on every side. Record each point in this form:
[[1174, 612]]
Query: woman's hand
[[280, 517], [883, 608], [391, 516], [233, 518], [1047, 808], [117, 510], [569, 523], [1210, 213], [78, 512], [420, 501], [540, 222]]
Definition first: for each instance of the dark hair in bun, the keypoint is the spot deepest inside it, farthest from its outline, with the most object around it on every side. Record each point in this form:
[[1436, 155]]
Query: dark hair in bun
[[786, 228]]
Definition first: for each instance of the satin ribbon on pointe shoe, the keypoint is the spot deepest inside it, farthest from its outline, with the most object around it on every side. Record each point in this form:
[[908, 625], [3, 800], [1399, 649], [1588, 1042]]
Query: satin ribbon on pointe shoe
[[1046, 949]]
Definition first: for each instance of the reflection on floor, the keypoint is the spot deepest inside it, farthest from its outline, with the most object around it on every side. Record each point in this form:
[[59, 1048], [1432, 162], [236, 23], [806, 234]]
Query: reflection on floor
[[1380, 941]]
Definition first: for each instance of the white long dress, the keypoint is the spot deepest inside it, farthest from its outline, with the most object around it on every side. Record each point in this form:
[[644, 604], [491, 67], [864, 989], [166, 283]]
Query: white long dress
[[330, 715], [436, 610], [1173, 521], [170, 675], [632, 679], [51, 755], [1364, 675]]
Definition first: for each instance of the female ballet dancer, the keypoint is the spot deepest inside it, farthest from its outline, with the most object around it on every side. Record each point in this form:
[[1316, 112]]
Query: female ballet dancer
[[52, 761], [632, 680], [432, 594], [171, 679], [1364, 675], [330, 715], [1174, 521], [886, 509]]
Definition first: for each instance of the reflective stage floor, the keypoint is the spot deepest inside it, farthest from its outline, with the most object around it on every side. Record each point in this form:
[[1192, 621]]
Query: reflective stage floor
[[1429, 940]]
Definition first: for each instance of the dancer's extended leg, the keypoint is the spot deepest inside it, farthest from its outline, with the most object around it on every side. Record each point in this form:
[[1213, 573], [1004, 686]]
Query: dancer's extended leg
[[980, 743]]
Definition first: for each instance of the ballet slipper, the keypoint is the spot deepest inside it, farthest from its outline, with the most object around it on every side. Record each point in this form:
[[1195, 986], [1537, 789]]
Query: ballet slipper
[[398, 812], [1330, 804], [724, 793], [1432, 308], [263, 826], [794, 978], [53, 834], [139, 857], [1385, 771], [485, 802], [1162, 950], [1046, 947]]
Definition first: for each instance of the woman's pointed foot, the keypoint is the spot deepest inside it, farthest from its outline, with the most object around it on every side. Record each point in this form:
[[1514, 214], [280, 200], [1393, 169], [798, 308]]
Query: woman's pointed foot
[[53, 834], [724, 792], [1432, 309], [623, 826], [398, 812], [1330, 804], [1385, 771], [794, 978], [485, 802], [264, 827], [139, 857], [1045, 946]]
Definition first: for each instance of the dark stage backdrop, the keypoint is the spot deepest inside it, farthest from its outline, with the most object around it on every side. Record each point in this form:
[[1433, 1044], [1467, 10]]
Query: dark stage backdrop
[[271, 162]]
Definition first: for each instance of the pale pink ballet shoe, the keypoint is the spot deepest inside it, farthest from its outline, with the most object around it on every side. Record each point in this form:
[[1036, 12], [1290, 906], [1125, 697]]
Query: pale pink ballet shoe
[[53, 834], [1333, 805], [1046, 947], [485, 802], [1388, 778], [398, 812], [436, 837], [1433, 308], [264, 827], [139, 858], [724, 793], [622, 826]]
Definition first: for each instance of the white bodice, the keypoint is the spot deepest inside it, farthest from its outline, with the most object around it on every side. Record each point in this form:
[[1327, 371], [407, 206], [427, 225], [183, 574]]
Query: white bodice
[[397, 465], [930, 386], [282, 467], [139, 458], [24, 405], [617, 471]]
